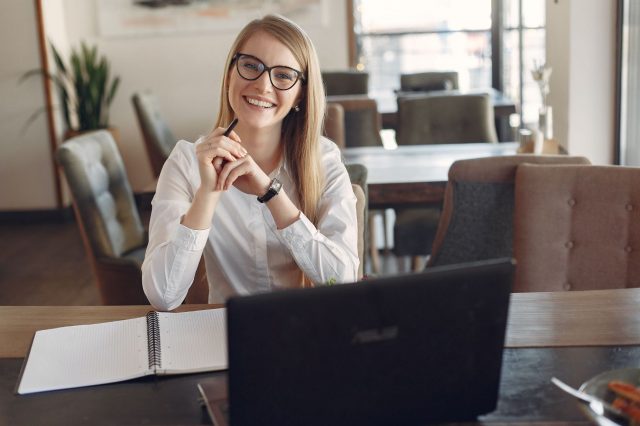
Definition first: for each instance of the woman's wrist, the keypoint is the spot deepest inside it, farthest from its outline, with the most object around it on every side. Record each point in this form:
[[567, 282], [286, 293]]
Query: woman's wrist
[[201, 211]]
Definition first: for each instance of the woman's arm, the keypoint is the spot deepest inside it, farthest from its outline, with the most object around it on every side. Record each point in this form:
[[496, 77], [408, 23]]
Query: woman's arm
[[327, 253]]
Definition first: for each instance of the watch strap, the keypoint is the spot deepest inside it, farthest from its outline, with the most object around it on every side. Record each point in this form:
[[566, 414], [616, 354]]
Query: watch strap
[[274, 188]]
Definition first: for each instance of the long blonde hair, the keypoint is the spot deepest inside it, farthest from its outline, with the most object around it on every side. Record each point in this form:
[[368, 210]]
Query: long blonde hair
[[300, 130]]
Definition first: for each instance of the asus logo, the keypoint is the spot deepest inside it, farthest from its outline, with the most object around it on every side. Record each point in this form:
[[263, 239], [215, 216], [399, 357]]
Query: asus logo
[[374, 335]]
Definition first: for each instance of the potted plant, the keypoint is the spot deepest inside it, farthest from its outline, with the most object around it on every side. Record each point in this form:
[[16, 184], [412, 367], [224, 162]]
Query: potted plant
[[85, 89]]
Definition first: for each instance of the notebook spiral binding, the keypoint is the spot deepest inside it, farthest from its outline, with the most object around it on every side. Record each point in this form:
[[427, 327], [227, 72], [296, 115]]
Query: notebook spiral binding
[[153, 340]]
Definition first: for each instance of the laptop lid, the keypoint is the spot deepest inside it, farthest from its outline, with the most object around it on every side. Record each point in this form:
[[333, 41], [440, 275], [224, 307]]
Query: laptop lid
[[396, 350]]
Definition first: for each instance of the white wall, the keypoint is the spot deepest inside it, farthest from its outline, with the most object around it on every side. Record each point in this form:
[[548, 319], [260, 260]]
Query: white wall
[[581, 49], [184, 71], [26, 170]]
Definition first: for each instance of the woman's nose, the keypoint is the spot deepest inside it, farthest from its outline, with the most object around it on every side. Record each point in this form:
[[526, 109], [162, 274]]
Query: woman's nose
[[263, 82]]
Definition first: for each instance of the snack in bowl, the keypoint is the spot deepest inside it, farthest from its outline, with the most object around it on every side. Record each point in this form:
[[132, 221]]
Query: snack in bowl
[[627, 399]]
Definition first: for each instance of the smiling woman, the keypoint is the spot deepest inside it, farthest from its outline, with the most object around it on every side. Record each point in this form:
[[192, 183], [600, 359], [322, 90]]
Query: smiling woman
[[269, 204]]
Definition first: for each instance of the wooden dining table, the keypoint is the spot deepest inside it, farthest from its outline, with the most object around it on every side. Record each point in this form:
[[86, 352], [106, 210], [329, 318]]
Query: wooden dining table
[[416, 175], [572, 335]]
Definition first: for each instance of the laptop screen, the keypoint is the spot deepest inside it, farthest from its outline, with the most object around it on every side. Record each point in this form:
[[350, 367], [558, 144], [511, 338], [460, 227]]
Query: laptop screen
[[396, 350]]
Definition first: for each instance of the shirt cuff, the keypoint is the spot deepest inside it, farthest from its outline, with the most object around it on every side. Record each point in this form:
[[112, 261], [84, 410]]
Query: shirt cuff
[[298, 233], [190, 239]]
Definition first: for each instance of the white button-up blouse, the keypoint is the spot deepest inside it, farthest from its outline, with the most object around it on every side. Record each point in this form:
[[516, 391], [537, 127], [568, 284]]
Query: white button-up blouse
[[243, 250]]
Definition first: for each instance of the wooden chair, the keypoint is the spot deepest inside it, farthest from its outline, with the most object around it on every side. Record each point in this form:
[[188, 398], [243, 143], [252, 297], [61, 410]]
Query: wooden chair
[[477, 219], [576, 227], [333, 127], [158, 139]]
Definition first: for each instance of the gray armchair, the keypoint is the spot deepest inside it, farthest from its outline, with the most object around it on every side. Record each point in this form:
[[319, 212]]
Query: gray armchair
[[436, 119], [349, 82], [158, 139], [429, 81], [111, 230]]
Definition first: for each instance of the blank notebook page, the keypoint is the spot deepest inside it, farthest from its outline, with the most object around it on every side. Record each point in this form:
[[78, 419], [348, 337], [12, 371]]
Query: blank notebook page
[[86, 355], [193, 341]]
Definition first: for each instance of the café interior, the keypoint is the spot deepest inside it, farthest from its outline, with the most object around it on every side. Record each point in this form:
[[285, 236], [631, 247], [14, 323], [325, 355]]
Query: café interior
[[471, 130]]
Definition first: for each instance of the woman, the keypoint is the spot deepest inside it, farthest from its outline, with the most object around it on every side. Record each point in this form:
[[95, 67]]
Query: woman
[[270, 205]]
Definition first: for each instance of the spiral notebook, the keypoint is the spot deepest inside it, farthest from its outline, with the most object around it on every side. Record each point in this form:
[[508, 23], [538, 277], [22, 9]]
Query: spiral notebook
[[161, 343]]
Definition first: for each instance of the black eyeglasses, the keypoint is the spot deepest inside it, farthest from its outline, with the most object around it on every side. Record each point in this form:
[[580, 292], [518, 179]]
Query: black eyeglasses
[[281, 77]]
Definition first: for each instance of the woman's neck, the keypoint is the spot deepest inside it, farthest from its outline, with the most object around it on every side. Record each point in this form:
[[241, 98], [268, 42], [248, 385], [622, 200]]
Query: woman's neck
[[263, 145]]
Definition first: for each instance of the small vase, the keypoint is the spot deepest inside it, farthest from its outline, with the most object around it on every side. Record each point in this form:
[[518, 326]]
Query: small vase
[[545, 122]]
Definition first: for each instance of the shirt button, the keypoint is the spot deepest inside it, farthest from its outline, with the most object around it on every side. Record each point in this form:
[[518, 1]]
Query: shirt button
[[628, 249], [569, 244], [566, 286], [571, 202], [629, 207]]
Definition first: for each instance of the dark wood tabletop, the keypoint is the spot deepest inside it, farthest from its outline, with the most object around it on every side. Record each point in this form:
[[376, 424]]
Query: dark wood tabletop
[[416, 175], [571, 335]]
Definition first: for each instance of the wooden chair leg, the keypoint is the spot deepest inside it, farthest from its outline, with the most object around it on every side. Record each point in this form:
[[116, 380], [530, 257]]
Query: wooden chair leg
[[373, 249]]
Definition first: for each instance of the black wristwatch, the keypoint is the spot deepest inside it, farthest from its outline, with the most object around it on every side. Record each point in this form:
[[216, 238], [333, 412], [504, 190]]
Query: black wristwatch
[[273, 190]]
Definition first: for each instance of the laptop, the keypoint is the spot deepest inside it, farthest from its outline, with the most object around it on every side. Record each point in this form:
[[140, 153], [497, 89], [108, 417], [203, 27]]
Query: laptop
[[404, 349]]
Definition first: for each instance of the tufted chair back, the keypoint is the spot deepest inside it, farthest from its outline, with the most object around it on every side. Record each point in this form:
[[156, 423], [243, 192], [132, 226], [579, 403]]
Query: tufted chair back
[[349, 82], [158, 139], [477, 221], [454, 118], [577, 227], [106, 213], [429, 81]]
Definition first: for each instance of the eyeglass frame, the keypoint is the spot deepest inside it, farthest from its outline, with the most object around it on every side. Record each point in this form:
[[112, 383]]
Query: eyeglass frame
[[300, 75]]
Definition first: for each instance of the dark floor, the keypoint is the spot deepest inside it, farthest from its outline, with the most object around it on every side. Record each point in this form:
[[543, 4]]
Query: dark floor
[[45, 264]]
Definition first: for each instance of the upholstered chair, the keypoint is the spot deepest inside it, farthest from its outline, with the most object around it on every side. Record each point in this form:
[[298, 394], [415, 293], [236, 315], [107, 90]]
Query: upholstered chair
[[158, 139], [429, 81], [477, 220], [334, 124], [362, 122], [577, 227], [348, 82], [361, 208], [436, 119], [112, 232], [444, 119]]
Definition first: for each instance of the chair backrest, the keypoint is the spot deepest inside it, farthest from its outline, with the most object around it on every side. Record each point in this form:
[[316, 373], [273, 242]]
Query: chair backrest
[[106, 213], [577, 227], [429, 81], [361, 206], [358, 174], [334, 124], [349, 82], [477, 219], [158, 139], [452, 118], [362, 122]]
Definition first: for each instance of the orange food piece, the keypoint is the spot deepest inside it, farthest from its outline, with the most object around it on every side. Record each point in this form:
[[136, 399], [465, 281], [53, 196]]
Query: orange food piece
[[625, 390]]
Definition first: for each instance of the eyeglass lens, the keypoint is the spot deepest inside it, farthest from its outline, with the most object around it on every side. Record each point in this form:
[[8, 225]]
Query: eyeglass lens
[[282, 78]]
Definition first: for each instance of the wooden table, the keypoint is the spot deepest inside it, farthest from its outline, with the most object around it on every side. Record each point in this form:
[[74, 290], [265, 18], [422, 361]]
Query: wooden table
[[571, 334], [416, 175], [555, 319]]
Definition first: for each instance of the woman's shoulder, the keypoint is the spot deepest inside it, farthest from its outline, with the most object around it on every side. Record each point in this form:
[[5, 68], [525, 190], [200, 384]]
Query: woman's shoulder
[[329, 150], [184, 151]]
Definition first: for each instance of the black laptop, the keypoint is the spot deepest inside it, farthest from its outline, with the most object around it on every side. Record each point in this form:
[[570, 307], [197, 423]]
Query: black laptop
[[406, 349]]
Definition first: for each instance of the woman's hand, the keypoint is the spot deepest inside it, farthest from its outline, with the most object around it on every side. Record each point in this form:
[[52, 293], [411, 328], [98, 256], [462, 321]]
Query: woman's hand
[[244, 174], [212, 152]]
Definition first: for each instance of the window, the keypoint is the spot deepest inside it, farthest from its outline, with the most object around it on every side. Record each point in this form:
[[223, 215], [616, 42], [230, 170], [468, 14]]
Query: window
[[424, 35]]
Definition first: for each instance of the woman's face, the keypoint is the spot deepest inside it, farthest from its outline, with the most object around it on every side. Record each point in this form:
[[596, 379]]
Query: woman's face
[[258, 104]]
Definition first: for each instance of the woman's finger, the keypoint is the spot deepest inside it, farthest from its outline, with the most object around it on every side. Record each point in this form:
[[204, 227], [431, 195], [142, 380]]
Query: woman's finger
[[227, 169]]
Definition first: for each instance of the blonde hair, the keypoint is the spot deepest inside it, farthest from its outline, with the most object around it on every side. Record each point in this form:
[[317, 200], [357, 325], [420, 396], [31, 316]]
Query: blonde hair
[[300, 130]]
